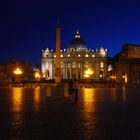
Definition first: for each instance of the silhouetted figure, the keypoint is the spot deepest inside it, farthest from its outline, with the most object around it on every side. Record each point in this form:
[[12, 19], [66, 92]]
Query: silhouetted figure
[[70, 88], [75, 88]]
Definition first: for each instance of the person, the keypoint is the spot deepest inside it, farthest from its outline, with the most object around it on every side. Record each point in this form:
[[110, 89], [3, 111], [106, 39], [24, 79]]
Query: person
[[70, 87], [76, 90]]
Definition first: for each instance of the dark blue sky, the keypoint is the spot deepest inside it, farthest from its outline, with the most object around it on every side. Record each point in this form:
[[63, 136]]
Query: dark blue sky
[[28, 26]]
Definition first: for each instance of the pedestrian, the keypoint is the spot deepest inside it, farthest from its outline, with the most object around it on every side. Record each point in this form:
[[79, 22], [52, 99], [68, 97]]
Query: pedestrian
[[76, 91], [70, 87]]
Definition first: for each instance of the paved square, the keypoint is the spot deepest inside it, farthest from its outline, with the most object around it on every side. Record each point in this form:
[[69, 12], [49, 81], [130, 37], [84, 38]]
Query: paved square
[[102, 114]]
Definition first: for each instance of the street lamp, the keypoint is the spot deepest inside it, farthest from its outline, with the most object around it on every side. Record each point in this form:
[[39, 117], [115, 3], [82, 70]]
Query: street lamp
[[124, 77], [88, 73], [18, 72], [37, 75]]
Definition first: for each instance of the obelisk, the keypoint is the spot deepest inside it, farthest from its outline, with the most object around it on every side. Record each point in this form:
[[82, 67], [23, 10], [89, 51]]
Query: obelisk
[[58, 61]]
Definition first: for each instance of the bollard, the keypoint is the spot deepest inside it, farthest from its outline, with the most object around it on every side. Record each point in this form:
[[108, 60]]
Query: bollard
[[66, 90]]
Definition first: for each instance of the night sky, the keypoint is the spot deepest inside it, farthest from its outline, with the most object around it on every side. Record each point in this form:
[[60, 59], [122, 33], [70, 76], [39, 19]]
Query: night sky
[[28, 26]]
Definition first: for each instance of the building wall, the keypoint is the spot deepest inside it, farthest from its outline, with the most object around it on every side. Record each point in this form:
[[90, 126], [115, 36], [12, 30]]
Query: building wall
[[11, 66], [2, 73], [127, 65], [74, 64]]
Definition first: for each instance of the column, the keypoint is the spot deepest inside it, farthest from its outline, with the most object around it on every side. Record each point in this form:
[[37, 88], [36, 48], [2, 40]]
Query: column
[[70, 71], [81, 70], [66, 70], [76, 70]]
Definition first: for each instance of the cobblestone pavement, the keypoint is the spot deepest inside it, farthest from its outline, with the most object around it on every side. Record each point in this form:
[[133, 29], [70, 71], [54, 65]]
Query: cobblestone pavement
[[99, 114]]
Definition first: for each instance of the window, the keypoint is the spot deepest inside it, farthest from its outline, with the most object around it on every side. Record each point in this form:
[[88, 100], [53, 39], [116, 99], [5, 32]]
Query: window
[[101, 64]]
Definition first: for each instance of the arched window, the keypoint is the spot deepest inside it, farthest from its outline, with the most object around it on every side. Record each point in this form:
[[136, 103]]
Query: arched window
[[101, 64]]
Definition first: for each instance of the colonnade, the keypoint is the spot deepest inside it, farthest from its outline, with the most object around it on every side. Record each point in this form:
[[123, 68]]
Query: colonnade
[[69, 71]]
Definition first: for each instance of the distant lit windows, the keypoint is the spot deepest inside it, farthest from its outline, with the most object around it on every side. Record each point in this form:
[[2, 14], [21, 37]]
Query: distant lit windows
[[101, 64]]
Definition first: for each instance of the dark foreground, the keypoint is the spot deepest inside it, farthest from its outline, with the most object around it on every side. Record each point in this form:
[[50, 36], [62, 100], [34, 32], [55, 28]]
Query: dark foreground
[[99, 114]]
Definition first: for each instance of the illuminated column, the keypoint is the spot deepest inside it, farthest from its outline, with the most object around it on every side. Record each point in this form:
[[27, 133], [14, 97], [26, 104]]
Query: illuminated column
[[66, 70], [50, 70], [76, 70], [70, 70], [81, 73], [64, 67], [57, 62], [53, 70], [63, 70], [105, 70], [43, 67]]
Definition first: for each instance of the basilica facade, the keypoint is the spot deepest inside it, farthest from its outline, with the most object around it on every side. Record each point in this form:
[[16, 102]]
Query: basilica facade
[[75, 60]]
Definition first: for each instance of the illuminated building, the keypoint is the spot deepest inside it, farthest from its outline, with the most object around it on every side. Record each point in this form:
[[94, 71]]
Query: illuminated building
[[75, 60], [14, 71], [126, 65]]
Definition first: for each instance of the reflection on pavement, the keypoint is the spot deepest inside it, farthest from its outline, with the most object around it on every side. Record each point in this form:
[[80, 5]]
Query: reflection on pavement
[[16, 108]]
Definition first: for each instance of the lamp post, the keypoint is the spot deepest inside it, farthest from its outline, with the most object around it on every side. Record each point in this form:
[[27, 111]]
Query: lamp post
[[17, 72], [88, 73], [37, 76]]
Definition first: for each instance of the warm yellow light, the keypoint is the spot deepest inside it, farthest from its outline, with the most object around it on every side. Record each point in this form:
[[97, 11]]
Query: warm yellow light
[[88, 72], [101, 64], [37, 75], [86, 75], [18, 71], [113, 77], [125, 78], [86, 55], [79, 55], [68, 55]]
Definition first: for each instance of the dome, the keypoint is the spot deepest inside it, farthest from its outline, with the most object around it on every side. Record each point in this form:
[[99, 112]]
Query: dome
[[77, 43]]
